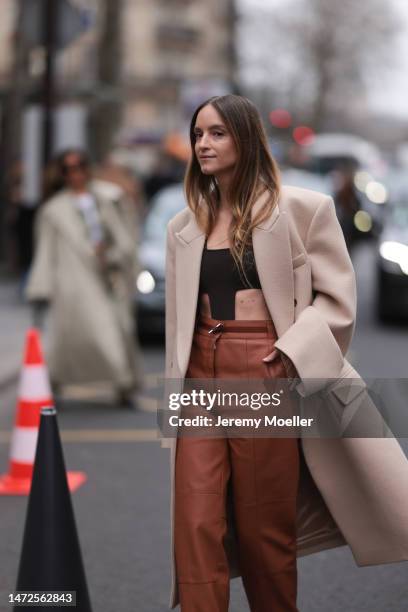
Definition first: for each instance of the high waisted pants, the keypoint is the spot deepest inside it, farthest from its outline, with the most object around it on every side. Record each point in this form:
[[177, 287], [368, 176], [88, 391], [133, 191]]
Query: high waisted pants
[[264, 475]]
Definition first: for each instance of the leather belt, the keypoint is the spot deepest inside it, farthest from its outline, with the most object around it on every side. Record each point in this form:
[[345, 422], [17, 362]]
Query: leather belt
[[221, 327]]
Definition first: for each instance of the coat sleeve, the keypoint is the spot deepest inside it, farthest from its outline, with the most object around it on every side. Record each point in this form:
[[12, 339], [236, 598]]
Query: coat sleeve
[[318, 340], [40, 283]]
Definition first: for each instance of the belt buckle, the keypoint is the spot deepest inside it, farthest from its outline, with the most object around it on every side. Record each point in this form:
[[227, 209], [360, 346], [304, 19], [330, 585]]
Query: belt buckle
[[213, 330]]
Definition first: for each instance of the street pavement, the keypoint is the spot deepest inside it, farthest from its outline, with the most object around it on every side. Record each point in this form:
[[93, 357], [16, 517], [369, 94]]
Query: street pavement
[[122, 510]]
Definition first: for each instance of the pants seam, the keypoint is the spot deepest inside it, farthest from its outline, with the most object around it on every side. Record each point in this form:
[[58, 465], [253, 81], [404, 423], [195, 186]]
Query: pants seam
[[246, 358]]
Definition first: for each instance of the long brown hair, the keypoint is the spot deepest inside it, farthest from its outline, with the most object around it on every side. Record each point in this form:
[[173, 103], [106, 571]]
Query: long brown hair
[[256, 171]]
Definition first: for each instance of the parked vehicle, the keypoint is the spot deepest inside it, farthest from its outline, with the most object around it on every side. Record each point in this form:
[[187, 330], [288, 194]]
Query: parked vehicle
[[392, 262], [150, 285], [357, 169], [307, 180]]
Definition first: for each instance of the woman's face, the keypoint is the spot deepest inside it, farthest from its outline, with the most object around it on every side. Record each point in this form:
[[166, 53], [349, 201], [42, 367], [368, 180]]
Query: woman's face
[[75, 171], [214, 146]]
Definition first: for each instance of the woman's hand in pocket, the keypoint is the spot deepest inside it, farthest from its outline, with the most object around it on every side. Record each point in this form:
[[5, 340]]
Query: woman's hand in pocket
[[287, 363], [271, 357], [274, 371]]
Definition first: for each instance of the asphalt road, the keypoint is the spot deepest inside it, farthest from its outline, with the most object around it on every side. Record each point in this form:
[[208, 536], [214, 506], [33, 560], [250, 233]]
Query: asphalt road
[[122, 509]]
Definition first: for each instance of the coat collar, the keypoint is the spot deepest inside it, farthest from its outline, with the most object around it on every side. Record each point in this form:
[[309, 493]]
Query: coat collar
[[273, 257]]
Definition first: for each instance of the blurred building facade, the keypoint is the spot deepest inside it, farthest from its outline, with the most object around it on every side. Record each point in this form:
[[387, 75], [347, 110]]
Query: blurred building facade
[[170, 55], [130, 74], [162, 58], [176, 53], [6, 28]]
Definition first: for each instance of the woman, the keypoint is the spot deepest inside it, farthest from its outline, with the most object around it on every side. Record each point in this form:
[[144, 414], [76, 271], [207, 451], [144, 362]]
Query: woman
[[83, 262], [259, 284]]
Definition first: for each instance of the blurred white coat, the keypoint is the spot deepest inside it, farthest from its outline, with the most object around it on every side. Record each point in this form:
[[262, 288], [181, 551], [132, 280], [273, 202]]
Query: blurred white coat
[[92, 331]]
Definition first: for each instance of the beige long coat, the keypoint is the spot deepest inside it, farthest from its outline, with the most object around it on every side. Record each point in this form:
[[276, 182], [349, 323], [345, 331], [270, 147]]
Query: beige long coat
[[352, 490], [91, 327]]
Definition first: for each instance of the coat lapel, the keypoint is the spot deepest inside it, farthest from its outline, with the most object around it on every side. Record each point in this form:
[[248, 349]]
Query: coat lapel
[[273, 257], [189, 250]]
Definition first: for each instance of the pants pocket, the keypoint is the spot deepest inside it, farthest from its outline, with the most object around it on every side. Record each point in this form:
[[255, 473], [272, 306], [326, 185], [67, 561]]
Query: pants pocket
[[276, 368], [257, 350]]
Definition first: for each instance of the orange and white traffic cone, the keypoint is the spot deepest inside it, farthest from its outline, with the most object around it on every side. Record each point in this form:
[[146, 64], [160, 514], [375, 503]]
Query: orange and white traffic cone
[[34, 393]]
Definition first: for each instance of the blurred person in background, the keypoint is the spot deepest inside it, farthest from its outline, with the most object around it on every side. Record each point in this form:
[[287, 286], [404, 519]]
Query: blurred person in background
[[170, 165], [83, 260], [125, 189], [19, 219], [346, 200]]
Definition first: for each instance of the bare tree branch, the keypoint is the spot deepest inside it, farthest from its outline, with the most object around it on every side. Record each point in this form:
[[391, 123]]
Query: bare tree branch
[[319, 55]]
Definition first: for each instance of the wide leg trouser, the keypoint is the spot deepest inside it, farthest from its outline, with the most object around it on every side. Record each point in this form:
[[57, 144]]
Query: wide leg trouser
[[264, 474]]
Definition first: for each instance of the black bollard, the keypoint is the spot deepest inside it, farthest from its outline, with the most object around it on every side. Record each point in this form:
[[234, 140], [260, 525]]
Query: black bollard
[[51, 557]]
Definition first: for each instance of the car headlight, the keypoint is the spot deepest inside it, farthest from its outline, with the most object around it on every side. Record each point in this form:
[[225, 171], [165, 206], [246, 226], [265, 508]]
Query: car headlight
[[376, 192], [145, 282], [397, 252], [363, 221], [361, 180]]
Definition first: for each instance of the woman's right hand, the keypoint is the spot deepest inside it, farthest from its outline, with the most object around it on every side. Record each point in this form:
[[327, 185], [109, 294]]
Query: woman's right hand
[[271, 357]]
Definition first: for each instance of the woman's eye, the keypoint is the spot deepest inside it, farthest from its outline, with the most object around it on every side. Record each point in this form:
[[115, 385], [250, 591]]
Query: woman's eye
[[218, 133]]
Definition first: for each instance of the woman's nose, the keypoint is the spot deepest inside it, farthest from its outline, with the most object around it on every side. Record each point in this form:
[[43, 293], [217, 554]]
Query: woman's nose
[[203, 144]]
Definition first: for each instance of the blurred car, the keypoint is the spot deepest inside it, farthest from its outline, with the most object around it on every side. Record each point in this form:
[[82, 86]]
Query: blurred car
[[307, 180], [325, 184], [346, 157], [150, 285], [392, 262], [327, 151]]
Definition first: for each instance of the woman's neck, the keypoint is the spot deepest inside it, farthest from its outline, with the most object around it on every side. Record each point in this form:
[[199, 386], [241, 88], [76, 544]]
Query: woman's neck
[[223, 187]]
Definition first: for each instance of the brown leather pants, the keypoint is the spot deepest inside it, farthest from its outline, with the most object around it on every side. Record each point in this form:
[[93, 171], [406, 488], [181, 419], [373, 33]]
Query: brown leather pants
[[263, 474]]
